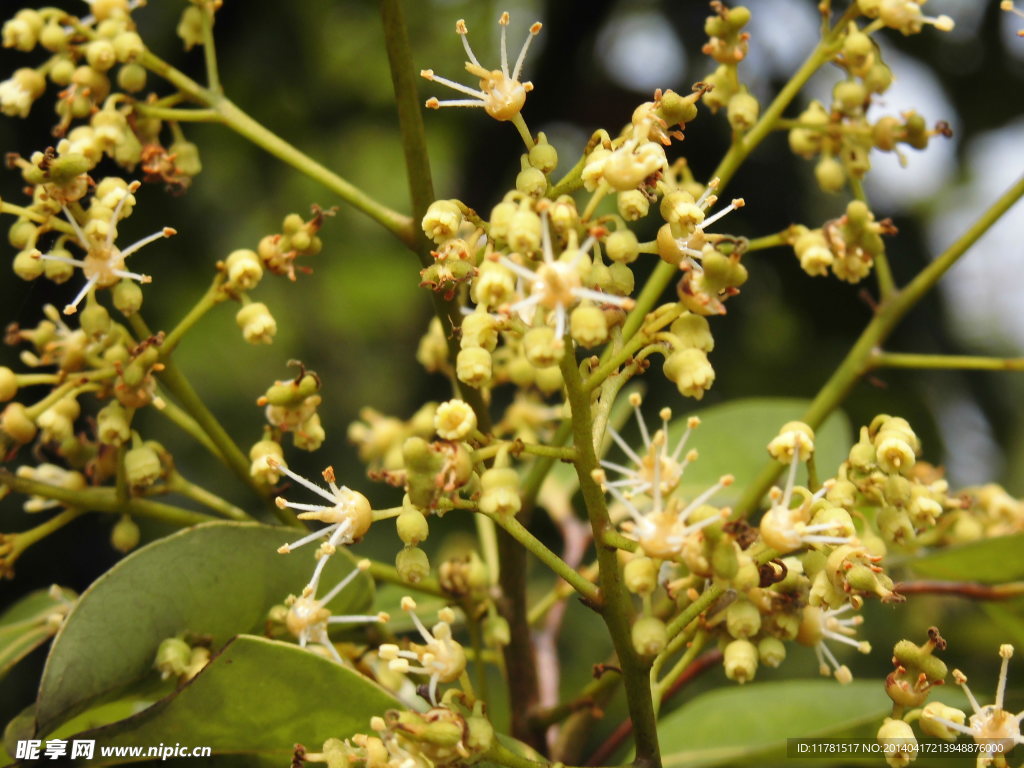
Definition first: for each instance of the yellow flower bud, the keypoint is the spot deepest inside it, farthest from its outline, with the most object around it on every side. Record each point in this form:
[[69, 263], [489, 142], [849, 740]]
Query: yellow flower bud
[[454, 420], [740, 661], [257, 324]]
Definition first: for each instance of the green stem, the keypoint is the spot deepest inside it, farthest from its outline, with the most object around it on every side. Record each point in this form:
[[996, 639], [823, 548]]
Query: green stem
[[53, 222], [516, 447], [209, 51], [213, 296], [179, 115], [661, 686], [244, 125], [858, 360], [210, 500], [179, 386], [883, 272], [105, 500], [739, 152], [516, 530], [234, 118], [768, 241], [19, 542], [571, 181], [879, 359], [188, 425], [616, 608], [524, 132], [418, 176]]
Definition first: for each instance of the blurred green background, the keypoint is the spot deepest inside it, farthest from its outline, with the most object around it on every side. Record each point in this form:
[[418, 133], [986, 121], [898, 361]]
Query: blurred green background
[[316, 73]]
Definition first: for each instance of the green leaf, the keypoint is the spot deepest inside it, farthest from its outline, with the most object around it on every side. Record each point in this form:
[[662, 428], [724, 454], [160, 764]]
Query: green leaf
[[217, 579], [29, 623], [257, 698], [990, 561], [730, 724], [732, 439]]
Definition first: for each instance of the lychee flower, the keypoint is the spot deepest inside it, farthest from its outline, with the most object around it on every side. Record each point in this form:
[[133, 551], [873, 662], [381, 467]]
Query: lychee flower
[[991, 724], [819, 625], [349, 515], [501, 94], [785, 528], [440, 657], [695, 221], [656, 461], [661, 522], [557, 284], [104, 263], [309, 618]]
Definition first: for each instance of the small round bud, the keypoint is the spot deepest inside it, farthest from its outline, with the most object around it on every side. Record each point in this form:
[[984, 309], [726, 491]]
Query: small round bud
[[524, 232], [830, 174], [878, 78], [742, 111], [494, 285], [743, 619], [497, 633], [442, 220], [125, 535], [480, 330], [633, 204], [532, 182], [740, 661], [541, 347], [691, 371], [128, 46], [53, 37], [267, 458], [641, 575], [95, 320], [588, 325], [454, 420], [142, 466], [622, 246], [693, 332], [549, 380], [8, 384], [310, 434], [898, 736], [257, 324], [621, 280], [127, 297], [500, 492], [28, 265], [850, 95], [243, 269], [131, 77], [772, 651], [412, 526], [413, 565], [543, 156], [172, 657], [100, 55], [16, 423], [473, 366], [794, 438], [649, 635], [113, 426]]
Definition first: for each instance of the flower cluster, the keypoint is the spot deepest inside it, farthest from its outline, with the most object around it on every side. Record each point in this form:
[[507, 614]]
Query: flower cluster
[[842, 137]]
